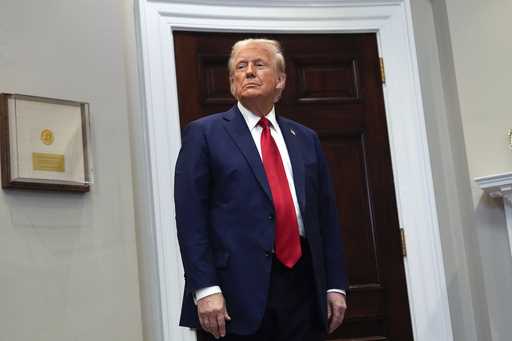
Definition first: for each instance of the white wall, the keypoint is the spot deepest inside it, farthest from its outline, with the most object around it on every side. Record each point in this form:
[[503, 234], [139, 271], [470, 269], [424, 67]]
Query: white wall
[[451, 178], [68, 262], [482, 51], [464, 51]]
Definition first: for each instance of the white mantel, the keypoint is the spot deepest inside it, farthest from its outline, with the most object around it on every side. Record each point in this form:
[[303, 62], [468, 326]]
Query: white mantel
[[500, 186]]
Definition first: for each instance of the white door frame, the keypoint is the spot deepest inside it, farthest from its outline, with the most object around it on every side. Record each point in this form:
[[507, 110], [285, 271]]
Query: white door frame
[[158, 134]]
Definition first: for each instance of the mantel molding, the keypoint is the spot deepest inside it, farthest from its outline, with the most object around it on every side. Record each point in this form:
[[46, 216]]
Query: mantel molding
[[500, 186], [497, 186]]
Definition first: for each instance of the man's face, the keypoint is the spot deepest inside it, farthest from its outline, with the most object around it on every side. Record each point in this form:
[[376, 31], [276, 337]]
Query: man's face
[[255, 75]]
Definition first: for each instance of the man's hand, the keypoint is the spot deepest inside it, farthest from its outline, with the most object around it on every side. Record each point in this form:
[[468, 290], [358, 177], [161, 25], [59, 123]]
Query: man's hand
[[213, 314], [336, 306]]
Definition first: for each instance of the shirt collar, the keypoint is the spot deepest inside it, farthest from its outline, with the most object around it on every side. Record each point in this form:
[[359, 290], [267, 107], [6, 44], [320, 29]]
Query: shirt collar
[[252, 119]]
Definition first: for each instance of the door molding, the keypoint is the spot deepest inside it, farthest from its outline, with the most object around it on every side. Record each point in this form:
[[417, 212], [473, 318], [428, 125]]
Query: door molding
[[157, 131]]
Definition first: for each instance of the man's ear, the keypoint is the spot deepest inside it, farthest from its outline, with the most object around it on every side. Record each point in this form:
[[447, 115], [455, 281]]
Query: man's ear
[[232, 86], [281, 81]]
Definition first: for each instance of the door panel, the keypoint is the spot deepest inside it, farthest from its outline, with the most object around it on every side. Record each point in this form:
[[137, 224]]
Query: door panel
[[333, 87]]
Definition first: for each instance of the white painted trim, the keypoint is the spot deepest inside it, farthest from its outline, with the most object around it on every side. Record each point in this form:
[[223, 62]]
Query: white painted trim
[[500, 186], [496, 185], [391, 20]]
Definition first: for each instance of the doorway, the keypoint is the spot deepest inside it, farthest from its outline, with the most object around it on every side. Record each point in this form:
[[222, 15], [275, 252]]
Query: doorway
[[334, 86], [156, 134]]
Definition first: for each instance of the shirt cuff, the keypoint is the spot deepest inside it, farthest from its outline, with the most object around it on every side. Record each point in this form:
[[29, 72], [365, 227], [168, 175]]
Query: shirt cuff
[[343, 292], [202, 293]]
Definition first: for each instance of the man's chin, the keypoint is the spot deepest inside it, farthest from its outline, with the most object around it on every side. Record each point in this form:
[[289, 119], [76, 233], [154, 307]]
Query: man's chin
[[250, 95]]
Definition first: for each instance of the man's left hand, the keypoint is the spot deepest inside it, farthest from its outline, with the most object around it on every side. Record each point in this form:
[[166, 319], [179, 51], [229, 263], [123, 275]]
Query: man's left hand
[[336, 306]]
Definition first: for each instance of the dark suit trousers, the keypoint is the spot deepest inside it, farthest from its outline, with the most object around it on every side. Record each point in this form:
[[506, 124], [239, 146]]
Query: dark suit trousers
[[292, 310]]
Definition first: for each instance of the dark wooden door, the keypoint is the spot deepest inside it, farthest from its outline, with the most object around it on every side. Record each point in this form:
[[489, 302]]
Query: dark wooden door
[[334, 87]]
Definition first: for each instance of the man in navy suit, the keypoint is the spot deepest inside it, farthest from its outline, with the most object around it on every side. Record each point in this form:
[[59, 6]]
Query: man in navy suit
[[256, 216]]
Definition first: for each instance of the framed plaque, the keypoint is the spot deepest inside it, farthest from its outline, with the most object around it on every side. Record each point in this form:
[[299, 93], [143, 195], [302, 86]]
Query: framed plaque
[[44, 143]]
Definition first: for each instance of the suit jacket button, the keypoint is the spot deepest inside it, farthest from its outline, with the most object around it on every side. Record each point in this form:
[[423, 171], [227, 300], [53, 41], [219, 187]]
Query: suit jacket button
[[271, 217], [267, 254]]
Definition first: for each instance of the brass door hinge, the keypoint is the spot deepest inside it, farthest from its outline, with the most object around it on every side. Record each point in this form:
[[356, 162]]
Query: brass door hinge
[[404, 245], [382, 70]]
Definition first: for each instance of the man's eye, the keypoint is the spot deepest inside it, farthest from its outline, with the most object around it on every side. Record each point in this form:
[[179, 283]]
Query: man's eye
[[241, 66]]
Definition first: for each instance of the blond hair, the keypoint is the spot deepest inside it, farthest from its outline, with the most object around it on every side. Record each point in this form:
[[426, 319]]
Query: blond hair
[[274, 47]]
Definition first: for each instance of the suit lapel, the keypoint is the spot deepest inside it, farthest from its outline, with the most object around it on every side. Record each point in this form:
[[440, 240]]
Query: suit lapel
[[239, 132], [292, 144]]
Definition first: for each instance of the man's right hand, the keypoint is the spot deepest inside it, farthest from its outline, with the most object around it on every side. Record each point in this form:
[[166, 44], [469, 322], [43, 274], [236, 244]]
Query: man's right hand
[[213, 314]]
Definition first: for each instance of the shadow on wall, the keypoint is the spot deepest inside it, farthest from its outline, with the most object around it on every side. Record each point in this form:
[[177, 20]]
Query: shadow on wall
[[45, 228], [46, 209]]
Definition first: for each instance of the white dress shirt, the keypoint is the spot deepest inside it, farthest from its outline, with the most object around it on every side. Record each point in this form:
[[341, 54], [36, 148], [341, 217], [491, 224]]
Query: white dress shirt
[[256, 130], [252, 123]]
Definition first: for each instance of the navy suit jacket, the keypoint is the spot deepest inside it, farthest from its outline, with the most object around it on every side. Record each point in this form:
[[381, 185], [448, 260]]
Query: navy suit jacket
[[224, 216]]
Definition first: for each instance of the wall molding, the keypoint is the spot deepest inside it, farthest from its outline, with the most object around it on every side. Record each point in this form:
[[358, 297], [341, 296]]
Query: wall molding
[[500, 186], [497, 186], [159, 133]]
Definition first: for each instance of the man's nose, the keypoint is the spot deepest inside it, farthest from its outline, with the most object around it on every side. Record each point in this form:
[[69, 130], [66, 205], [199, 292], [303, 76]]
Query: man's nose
[[250, 70]]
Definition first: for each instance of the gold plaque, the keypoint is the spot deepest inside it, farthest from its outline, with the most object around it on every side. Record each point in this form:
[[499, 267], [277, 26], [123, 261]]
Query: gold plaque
[[48, 162], [47, 137]]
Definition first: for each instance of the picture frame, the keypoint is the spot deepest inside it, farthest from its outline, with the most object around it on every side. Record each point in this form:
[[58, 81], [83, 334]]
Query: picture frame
[[44, 144]]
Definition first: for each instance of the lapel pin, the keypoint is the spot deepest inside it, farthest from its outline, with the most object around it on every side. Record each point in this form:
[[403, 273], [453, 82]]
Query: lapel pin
[[292, 131]]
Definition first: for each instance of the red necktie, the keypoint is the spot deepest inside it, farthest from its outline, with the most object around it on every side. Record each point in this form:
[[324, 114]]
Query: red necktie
[[287, 241]]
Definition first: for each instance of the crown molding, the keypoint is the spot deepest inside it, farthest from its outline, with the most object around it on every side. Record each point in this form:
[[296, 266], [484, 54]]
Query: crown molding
[[282, 3]]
